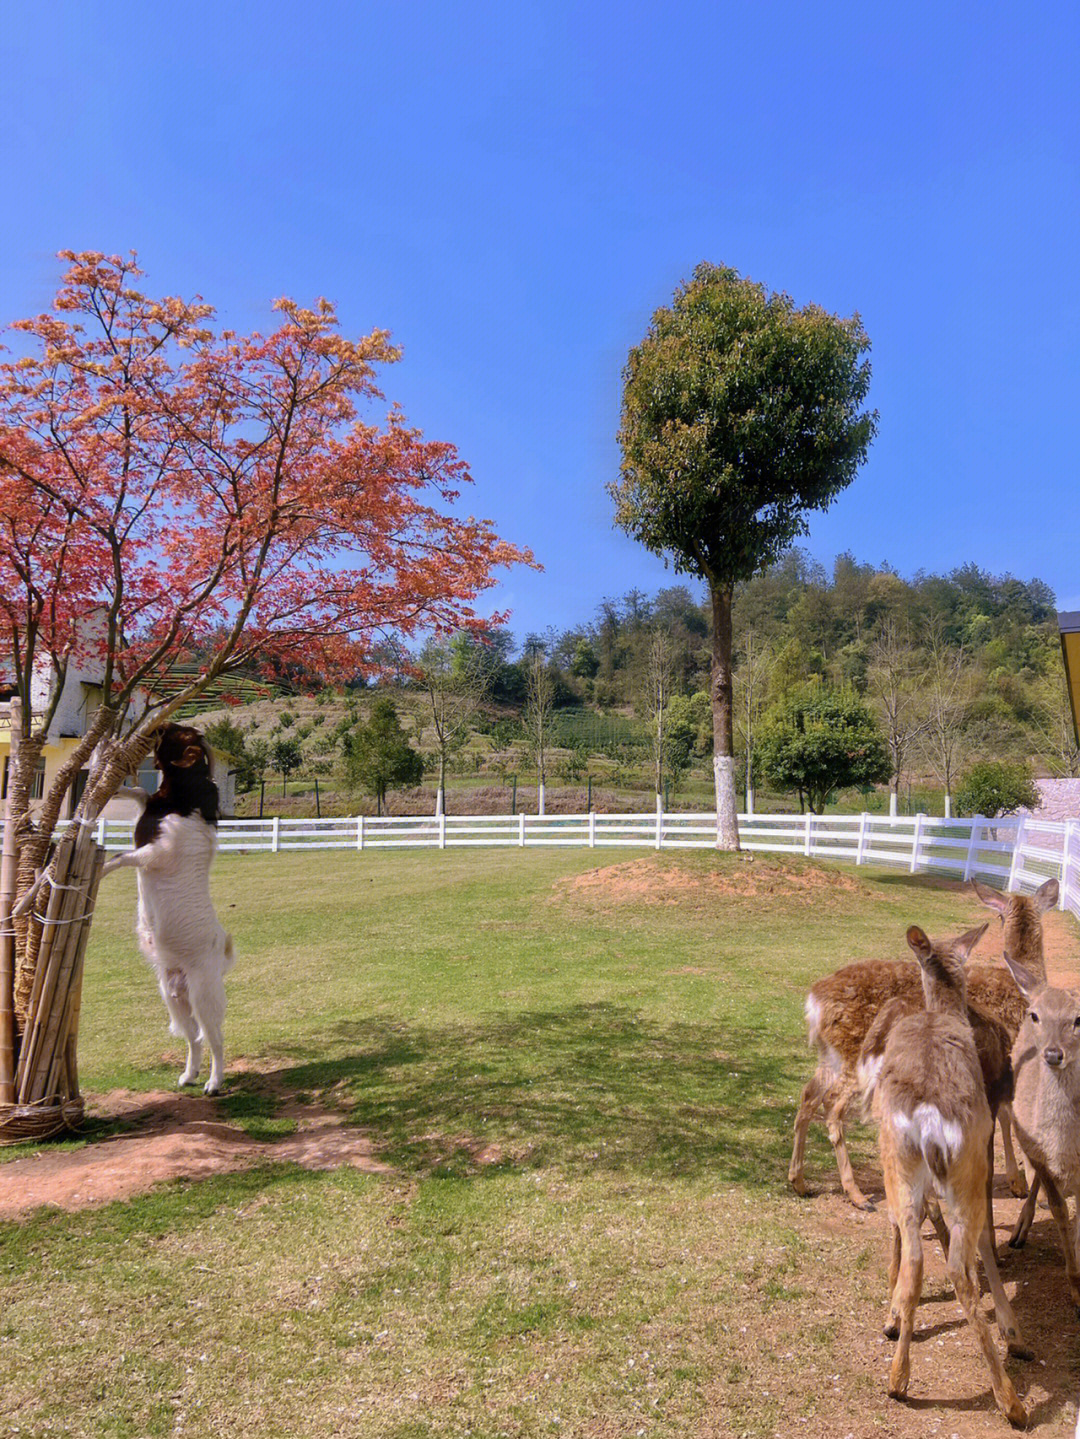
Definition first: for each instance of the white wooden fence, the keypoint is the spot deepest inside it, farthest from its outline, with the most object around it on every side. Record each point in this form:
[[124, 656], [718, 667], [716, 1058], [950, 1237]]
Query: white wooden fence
[[1013, 853]]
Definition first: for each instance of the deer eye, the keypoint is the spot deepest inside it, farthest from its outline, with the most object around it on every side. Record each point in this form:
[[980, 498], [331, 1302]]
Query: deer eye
[[1034, 1017]]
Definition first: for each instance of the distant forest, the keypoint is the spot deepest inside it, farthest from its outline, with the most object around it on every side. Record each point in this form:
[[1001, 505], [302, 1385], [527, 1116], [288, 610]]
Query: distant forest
[[958, 667], [955, 669]]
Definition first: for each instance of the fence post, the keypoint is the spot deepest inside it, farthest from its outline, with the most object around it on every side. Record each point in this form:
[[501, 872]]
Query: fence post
[[521, 829], [359, 831], [101, 831], [1015, 862], [442, 829], [969, 863], [807, 841], [1066, 857], [659, 821], [916, 840], [860, 848], [275, 834], [592, 829]]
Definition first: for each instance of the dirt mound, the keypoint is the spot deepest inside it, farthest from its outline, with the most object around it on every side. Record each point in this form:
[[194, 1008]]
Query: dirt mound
[[173, 1136], [652, 880]]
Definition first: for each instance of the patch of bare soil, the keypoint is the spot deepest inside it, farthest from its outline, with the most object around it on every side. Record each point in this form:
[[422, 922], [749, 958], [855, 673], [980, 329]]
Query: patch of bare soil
[[172, 1136], [651, 880], [949, 1395]]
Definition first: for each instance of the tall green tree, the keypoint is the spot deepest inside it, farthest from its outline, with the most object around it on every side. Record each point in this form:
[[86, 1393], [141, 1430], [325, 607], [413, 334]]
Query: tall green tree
[[378, 756], [816, 740], [740, 413]]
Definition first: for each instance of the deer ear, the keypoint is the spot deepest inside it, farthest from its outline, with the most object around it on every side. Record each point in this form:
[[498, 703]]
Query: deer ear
[[967, 941], [989, 897], [1026, 982], [192, 755], [919, 942], [1046, 896]]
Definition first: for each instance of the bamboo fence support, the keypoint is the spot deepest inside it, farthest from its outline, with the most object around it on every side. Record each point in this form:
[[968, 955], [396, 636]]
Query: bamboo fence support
[[46, 1079]]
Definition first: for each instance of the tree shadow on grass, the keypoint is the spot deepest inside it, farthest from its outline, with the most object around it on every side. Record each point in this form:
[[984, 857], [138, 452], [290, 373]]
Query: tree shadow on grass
[[592, 1085]]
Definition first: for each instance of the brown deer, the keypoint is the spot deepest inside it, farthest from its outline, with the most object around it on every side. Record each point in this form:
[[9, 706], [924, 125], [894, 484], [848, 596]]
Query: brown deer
[[841, 1007], [935, 1131], [1046, 1107], [993, 1043]]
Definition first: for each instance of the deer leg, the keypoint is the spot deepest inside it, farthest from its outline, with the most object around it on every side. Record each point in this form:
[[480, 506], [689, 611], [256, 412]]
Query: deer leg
[[809, 1105], [1018, 1185], [836, 1103], [1060, 1212], [1008, 1328], [892, 1323], [941, 1229], [965, 1280], [906, 1297], [1018, 1238]]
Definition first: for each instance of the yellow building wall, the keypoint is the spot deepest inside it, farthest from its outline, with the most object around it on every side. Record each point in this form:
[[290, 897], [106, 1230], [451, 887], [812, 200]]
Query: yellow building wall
[[54, 756]]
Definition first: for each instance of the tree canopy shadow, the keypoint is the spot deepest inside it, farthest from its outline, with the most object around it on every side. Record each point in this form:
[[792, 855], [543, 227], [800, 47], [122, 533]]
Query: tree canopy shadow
[[593, 1085]]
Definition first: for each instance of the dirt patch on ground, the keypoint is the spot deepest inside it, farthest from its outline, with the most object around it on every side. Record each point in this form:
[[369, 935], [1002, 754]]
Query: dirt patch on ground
[[651, 880], [171, 1136]]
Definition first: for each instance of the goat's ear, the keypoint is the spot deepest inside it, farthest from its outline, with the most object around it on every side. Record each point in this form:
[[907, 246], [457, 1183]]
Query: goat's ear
[[192, 755], [969, 939], [919, 943], [1026, 982], [990, 897], [1046, 896]]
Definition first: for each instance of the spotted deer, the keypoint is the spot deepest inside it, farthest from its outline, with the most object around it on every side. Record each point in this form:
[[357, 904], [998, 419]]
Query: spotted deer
[[935, 1132], [841, 1007]]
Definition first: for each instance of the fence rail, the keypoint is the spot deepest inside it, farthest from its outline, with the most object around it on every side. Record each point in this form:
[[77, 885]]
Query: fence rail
[[1016, 853]]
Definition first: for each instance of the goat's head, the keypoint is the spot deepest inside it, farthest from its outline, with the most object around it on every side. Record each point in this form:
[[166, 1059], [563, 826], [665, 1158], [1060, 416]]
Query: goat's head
[[180, 747]]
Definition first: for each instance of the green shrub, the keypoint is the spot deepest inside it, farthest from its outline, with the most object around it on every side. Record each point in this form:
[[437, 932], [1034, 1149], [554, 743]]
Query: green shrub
[[997, 787]]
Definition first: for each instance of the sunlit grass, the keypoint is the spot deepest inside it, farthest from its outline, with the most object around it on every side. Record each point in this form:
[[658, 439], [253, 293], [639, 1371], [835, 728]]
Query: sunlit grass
[[585, 1101]]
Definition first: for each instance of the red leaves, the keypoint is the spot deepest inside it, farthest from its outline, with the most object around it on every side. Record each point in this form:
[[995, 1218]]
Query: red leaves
[[217, 494]]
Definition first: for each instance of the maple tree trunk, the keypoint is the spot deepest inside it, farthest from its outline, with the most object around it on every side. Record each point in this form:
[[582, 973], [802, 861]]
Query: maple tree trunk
[[727, 824]]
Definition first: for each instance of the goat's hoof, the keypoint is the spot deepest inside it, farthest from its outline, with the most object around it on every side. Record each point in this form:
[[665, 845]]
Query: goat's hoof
[[186, 1079], [1017, 1241], [1019, 1350], [867, 1205], [1018, 1187], [211, 1088]]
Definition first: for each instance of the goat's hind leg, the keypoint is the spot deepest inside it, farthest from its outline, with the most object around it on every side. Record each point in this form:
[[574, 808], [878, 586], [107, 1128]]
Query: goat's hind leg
[[182, 1021], [208, 1001]]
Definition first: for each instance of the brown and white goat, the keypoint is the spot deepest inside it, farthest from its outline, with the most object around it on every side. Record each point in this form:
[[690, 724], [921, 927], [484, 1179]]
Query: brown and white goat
[[177, 929], [841, 1008], [935, 1131], [1046, 1107]]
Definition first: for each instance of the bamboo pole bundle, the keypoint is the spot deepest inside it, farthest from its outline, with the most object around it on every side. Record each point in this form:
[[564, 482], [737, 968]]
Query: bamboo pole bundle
[[44, 975], [46, 1079], [66, 943], [62, 1077]]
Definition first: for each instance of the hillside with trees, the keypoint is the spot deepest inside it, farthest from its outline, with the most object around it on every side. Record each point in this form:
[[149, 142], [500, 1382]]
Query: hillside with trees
[[953, 671]]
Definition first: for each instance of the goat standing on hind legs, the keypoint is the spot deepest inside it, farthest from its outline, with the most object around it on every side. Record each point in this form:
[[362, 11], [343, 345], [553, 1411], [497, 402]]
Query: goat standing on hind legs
[[935, 1132], [177, 929]]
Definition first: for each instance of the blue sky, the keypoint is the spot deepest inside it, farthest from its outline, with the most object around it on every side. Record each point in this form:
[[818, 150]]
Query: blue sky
[[512, 189]]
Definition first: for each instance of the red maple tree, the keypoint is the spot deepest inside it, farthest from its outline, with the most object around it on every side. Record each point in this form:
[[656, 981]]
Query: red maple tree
[[209, 497]]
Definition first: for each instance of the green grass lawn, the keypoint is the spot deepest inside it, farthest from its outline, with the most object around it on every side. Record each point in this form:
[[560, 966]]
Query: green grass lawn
[[585, 1101]]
